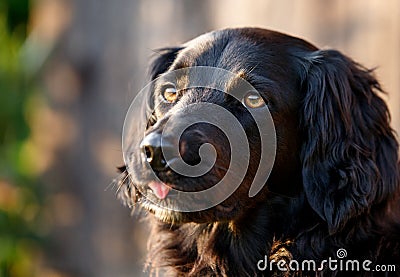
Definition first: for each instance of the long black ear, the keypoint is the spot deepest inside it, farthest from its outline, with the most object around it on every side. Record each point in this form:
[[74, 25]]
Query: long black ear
[[349, 153], [162, 61]]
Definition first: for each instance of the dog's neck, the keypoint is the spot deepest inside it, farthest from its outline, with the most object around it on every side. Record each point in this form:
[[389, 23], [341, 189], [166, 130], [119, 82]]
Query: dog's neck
[[267, 232], [197, 249]]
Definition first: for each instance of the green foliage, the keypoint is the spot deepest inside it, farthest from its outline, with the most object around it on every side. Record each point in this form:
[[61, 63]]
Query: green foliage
[[16, 12], [20, 196]]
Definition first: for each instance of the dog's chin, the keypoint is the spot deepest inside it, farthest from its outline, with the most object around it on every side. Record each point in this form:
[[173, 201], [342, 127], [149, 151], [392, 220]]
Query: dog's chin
[[171, 212]]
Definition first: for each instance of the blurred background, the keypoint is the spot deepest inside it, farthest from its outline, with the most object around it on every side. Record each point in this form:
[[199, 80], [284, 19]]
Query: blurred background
[[68, 72]]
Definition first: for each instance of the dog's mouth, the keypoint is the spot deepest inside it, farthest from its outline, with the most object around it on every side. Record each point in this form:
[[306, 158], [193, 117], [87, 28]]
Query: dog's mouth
[[165, 201], [159, 189]]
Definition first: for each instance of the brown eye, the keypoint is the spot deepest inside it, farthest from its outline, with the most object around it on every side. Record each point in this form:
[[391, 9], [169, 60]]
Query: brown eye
[[170, 93], [253, 100]]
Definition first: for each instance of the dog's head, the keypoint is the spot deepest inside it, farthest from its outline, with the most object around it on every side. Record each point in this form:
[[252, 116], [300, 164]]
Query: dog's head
[[333, 139]]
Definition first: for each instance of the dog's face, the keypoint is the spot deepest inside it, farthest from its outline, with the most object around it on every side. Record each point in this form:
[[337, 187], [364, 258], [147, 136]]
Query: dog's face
[[322, 105], [262, 58]]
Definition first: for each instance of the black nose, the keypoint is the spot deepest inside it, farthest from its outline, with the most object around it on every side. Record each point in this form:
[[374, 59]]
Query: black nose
[[153, 147]]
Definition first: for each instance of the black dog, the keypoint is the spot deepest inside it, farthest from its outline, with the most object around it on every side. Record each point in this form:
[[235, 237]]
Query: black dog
[[335, 183]]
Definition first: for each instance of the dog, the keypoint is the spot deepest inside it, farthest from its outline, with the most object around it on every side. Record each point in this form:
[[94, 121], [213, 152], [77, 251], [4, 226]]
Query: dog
[[334, 188]]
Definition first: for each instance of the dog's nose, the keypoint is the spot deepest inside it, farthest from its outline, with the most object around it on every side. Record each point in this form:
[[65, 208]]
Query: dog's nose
[[153, 148]]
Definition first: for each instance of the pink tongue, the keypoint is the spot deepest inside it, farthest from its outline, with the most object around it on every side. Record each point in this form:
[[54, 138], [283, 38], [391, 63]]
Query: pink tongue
[[161, 190]]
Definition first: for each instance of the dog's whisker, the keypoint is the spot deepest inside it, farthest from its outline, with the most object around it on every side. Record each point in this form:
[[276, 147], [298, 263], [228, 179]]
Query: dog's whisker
[[116, 182], [112, 184], [121, 182]]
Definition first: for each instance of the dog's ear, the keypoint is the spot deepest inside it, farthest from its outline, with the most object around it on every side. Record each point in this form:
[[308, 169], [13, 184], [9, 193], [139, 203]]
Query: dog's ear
[[162, 61], [349, 153]]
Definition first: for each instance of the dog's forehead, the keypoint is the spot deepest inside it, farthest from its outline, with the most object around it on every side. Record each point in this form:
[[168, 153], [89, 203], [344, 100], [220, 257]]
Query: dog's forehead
[[241, 49], [226, 49]]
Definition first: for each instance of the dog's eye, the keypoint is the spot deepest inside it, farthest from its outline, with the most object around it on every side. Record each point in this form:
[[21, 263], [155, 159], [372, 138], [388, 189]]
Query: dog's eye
[[169, 93], [253, 100]]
